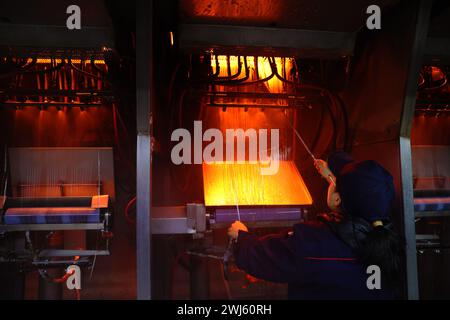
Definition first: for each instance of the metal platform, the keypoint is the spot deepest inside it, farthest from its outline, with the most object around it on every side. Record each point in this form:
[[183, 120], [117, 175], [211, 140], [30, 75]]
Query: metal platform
[[51, 227]]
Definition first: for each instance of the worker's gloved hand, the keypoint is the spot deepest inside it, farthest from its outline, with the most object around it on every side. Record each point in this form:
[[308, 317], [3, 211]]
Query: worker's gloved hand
[[233, 230], [322, 168]]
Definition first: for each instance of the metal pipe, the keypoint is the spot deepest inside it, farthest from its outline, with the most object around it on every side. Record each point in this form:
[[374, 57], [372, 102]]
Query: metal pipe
[[247, 106], [21, 69], [216, 74], [51, 290], [55, 92], [330, 96], [234, 94], [231, 76], [420, 24], [102, 73], [50, 104], [241, 81], [85, 72], [145, 87]]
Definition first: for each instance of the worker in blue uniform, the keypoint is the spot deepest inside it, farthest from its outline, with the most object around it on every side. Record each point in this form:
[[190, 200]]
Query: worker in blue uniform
[[329, 258]]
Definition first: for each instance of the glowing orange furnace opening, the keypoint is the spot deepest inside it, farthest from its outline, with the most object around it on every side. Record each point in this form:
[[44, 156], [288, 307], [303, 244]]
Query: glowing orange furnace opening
[[231, 184]]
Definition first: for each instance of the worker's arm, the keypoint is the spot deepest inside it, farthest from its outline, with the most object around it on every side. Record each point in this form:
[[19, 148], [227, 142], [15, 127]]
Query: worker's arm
[[273, 258], [324, 170]]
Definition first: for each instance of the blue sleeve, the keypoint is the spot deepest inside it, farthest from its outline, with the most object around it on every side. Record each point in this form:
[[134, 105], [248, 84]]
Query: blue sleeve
[[273, 258]]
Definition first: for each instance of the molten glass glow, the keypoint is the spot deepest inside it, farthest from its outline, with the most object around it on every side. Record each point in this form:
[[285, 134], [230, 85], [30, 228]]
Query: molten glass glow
[[259, 69], [231, 184]]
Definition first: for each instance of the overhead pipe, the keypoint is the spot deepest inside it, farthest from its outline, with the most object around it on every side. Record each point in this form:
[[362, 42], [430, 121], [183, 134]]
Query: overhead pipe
[[86, 73], [234, 76], [332, 97]]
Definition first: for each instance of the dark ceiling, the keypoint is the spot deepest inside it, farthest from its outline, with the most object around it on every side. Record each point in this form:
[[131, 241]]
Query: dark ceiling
[[440, 20], [50, 12], [43, 24]]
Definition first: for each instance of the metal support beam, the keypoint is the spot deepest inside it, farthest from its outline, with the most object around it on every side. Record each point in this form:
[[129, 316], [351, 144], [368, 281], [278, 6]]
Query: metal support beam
[[409, 219], [72, 253], [143, 221], [45, 36], [266, 41], [50, 227], [189, 219], [417, 51], [144, 87], [171, 226]]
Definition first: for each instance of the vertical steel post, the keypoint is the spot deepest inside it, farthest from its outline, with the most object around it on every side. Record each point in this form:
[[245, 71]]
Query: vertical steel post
[[418, 47], [144, 91]]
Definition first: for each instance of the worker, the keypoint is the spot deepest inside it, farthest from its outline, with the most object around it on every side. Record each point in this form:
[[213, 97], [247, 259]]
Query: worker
[[330, 258]]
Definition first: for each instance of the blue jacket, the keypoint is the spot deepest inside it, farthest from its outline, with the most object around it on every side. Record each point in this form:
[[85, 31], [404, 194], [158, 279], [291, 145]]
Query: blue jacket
[[314, 262]]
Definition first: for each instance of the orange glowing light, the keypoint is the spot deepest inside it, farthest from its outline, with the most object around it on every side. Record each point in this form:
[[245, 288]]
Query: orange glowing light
[[171, 38], [259, 69], [437, 74], [261, 11], [231, 184], [74, 61]]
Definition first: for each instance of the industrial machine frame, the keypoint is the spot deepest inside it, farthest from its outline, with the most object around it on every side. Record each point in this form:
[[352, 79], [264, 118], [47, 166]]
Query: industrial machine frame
[[147, 223]]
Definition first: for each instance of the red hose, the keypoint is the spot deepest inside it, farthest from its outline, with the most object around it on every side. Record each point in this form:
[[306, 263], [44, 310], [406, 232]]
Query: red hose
[[127, 208], [78, 294]]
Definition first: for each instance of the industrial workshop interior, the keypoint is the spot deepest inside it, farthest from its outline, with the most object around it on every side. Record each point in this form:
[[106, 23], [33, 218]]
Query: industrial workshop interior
[[177, 149]]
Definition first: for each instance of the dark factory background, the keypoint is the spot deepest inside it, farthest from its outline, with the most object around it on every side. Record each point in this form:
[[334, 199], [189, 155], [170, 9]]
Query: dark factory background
[[89, 113]]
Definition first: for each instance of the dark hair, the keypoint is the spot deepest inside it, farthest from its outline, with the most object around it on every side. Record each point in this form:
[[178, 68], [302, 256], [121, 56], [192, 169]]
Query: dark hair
[[383, 247]]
